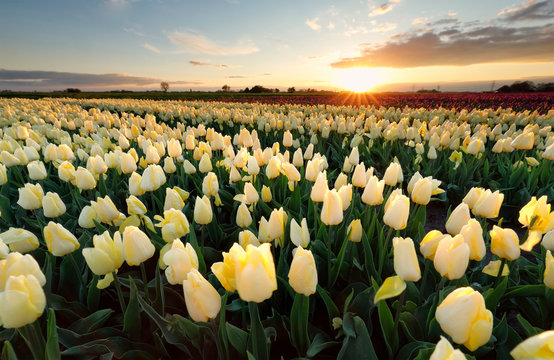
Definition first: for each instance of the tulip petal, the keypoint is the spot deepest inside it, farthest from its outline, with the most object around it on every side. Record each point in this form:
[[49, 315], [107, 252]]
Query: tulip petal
[[392, 286]]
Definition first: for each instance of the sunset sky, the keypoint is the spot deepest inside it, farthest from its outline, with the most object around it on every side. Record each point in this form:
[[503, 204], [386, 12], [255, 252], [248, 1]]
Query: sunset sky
[[135, 44]]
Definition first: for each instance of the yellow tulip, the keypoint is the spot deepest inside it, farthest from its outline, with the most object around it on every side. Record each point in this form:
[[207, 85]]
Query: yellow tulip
[[393, 174], [406, 265], [52, 205], [266, 194], [210, 185], [392, 286], [397, 210], [105, 209], [255, 273], [504, 243], [320, 188], [303, 272], [549, 270], [373, 192], [473, 236], [22, 301], [457, 219], [246, 237], [30, 196], [84, 179], [16, 264], [524, 141], [299, 234], [152, 178], [202, 299], [472, 196], [422, 191], [355, 230], [137, 247], [107, 254], [243, 218], [488, 204], [463, 316], [180, 260], [174, 148], [225, 270], [87, 217], [331, 212], [203, 210], [445, 351], [59, 240], [134, 184], [36, 169], [452, 257], [287, 139], [174, 224], [536, 347]]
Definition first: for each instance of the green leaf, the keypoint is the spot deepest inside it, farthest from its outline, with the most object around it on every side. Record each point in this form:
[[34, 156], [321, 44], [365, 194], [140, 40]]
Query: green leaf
[[359, 347], [387, 325], [52, 346], [299, 323], [223, 339], [8, 352], [91, 322], [332, 309], [131, 320], [6, 211], [529, 329], [319, 344], [257, 341], [525, 291], [493, 297], [237, 337]]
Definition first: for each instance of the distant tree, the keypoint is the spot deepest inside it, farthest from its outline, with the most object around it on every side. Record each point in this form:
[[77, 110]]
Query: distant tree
[[73, 90], [276, 90], [226, 88], [291, 89], [545, 87], [518, 86], [259, 89], [165, 86]]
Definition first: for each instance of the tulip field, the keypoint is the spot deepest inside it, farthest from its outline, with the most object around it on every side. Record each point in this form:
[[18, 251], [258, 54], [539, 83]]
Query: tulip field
[[141, 229]]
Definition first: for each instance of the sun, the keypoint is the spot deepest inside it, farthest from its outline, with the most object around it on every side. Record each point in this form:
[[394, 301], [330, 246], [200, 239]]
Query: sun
[[359, 79]]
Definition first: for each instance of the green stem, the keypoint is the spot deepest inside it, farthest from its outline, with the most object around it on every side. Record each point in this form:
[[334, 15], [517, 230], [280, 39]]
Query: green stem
[[77, 270], [398, 310], [119, 292], [32, 335], [144, 281]]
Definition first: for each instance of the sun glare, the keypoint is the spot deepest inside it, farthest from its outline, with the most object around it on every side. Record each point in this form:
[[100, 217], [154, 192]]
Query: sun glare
[[359, 79]]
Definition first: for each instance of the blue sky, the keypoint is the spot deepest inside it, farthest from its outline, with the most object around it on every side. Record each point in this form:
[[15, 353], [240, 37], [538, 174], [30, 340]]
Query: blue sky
[[132, 44]]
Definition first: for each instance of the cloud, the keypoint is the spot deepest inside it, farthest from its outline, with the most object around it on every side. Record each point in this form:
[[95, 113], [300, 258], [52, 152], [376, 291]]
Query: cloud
[[199, 44], [383, 9], [52, 80], [120, 3], [204, 63], [237, 77], [486, 44], [312, 23], [152, 48], [330, 26], [381, 28], [420, 20], [529, 10]]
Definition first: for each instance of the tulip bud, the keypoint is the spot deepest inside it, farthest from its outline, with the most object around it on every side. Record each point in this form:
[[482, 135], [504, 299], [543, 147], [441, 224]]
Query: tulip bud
[[59, 240], [463, 316], [535, 347], [430, 242], [373, 192], [243, 218], [273, 168], [452, 257], [488, 204], [472, 196], [246, 237], [22, 300], [52, 205], [445, 351], [303, 272], [547, 240], [127, 163], [406, 265], [524, 141], [105, 209], [255, 273], [137, 247], [173, 200], [19, 240], [96, 164], [169, 165], [393, 174], [30, 196], [225, 270], [331, 213], [287, 139], [320, 188], [266, 194], [397, 210], [107, 254], [457, 219], [504, 243], [16, 264], [473, 236], [549, 270], [66, 172], [36, 169], [355, 230], [299, 234], [180, 260], [3, 174], [210, 185], [202, 299], [174, 224], [422, 191], [84, 180], [135, 206], [174, 148], [152, 178], [202, 210], [134, 184]]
